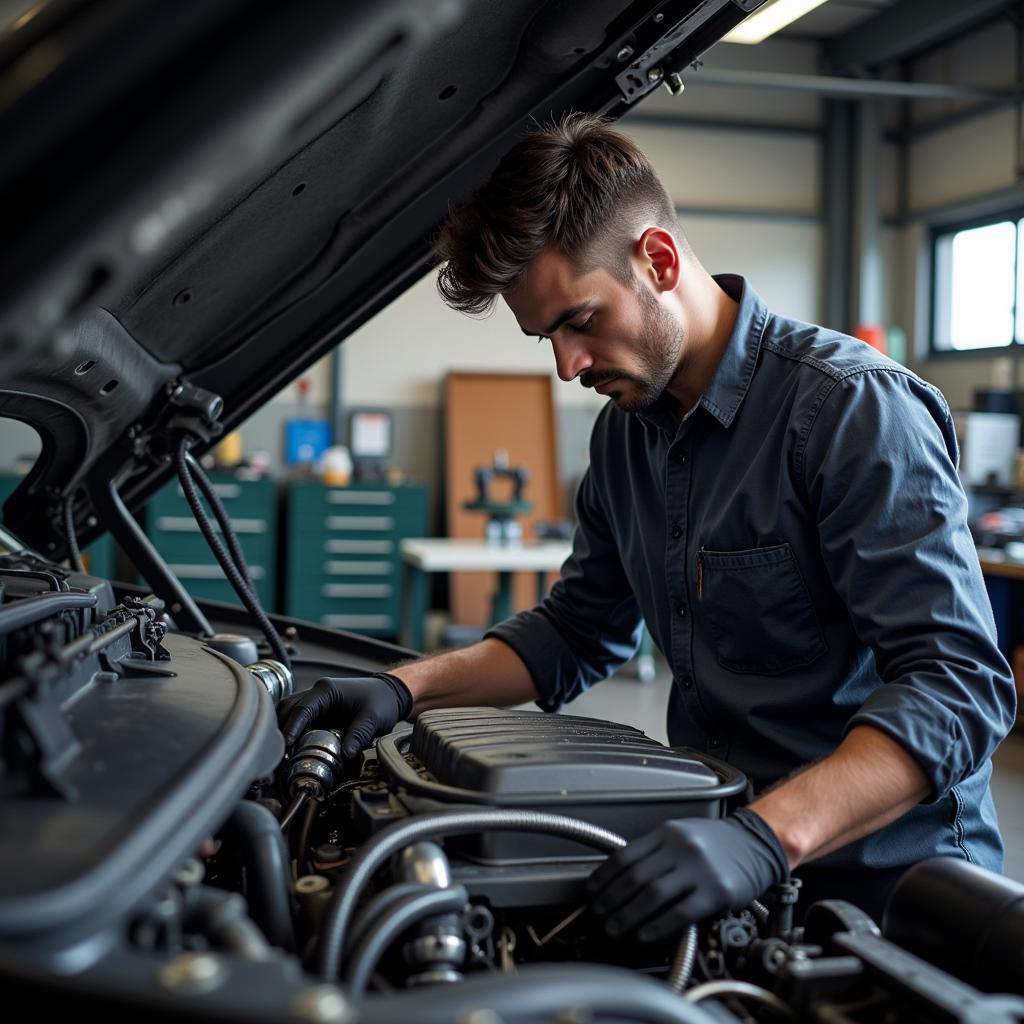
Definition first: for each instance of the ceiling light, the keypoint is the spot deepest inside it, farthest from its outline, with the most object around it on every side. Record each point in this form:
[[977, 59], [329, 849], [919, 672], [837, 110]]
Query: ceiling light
[[762, 23]]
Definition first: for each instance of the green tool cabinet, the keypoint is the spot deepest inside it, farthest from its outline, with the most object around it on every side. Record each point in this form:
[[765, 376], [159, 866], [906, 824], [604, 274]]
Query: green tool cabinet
[[344, 569], [252, 508], [98, 557]]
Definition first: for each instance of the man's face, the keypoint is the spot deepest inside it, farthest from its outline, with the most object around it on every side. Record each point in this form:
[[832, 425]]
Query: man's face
[[613, 335]]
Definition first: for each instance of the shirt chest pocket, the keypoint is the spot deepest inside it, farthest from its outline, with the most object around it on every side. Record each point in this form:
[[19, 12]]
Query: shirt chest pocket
[[758, 610]]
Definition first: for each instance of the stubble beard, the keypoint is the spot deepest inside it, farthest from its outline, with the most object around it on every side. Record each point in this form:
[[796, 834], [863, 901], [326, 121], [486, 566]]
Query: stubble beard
[[658, 351]]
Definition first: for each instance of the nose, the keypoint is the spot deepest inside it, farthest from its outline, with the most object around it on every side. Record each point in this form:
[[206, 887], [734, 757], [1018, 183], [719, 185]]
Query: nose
[[571, 356]]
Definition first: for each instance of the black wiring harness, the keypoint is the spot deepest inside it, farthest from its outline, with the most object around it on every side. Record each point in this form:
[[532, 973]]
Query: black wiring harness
[[70, 537], [231, 560]]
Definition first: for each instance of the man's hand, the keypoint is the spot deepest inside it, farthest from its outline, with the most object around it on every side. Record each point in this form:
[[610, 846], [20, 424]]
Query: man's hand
[[687, 870], [364, 708]]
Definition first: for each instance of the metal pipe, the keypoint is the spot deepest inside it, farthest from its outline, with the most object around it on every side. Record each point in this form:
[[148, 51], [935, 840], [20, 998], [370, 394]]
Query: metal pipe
[[741, 989], [106, 500], [850, 88], [682, 963], [413, 908]]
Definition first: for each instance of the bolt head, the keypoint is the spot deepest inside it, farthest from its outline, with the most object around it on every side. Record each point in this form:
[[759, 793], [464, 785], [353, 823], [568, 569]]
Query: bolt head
[[655, 75], [193, 972], [624, 54], [323, 1003]]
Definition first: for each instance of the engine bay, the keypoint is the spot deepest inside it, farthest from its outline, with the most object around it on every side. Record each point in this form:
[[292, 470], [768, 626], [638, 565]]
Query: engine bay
[[162, 851]]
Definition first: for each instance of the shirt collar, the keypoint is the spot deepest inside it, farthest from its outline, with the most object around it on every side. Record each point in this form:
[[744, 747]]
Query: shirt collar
[[728, 387]]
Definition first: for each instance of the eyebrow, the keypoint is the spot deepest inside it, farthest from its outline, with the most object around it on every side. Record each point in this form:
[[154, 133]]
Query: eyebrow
[[567, 315]]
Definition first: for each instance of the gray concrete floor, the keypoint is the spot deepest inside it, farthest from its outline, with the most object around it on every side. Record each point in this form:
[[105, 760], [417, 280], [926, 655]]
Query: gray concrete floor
[[623, 699]]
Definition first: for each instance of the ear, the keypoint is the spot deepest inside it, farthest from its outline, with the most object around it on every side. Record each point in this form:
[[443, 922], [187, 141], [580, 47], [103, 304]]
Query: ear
[[659, 258]]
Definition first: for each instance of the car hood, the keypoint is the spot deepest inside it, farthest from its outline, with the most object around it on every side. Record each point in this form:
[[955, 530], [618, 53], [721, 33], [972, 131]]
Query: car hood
[[203, 199]]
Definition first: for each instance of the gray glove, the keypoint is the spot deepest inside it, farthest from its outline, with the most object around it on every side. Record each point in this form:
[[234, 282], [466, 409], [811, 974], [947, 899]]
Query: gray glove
[[364, 707]]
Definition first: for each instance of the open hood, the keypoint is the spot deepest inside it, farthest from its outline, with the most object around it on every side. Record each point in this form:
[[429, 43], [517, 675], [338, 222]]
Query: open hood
[[200, 200]]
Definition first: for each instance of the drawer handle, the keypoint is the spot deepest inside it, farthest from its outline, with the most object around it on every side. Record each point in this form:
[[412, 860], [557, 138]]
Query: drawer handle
[[359, 547], [360, 498], [209, 572], [221, 490], [359, 523], [357, 621], [356, 590], [358, 568], [186, 524]]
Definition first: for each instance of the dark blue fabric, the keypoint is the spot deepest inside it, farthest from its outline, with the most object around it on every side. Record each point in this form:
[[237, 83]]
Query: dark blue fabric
[[799, 549]]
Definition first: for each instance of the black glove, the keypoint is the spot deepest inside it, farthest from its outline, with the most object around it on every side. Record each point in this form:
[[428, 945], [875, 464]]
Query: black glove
[[364, 707], [686, 870]]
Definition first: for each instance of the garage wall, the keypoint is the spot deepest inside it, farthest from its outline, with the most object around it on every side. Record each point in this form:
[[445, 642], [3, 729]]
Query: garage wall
[[953, 171], [749, 200]]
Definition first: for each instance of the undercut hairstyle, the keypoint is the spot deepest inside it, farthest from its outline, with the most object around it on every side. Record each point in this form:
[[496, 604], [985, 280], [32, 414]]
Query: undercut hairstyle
[[576, 185]]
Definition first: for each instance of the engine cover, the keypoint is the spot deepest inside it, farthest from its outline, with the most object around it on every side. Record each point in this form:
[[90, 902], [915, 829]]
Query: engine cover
[[608, 774]]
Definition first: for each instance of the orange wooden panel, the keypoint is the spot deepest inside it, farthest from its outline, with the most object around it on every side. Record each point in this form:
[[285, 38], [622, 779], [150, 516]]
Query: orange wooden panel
[[485, 412]]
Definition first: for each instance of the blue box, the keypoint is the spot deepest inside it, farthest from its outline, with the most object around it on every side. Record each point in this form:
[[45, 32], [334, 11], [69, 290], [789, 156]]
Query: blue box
[[305, 440]]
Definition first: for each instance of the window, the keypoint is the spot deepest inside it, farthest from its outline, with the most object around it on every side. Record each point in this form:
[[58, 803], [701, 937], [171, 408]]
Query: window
[[978, 285]]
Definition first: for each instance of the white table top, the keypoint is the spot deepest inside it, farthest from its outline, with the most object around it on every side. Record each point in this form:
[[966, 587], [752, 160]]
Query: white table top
[[446, 554]]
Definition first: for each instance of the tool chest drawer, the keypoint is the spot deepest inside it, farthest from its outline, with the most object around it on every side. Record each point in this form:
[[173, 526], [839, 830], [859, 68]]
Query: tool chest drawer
[[252, 508], [343, 568]]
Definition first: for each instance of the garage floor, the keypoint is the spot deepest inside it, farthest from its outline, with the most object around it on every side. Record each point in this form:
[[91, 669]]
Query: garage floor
[[623, 699]]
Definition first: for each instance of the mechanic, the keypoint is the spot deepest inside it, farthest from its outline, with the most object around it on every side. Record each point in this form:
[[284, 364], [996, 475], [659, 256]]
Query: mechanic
[[779, 503]]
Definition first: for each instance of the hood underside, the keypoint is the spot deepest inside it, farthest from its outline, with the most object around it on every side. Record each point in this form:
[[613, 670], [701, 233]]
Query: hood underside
[[218, 194]]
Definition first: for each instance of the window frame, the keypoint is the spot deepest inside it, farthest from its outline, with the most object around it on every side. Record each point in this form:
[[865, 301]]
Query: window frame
[[1014, 214]]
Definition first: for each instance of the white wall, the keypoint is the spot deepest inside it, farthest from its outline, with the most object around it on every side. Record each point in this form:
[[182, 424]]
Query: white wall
[[400, 356]]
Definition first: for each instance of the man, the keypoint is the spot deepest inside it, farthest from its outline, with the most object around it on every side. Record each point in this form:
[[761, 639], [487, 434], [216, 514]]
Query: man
[[779, 503]]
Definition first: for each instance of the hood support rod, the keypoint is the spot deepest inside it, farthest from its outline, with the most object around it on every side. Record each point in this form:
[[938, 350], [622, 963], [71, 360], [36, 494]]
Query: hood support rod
[[114, 514]]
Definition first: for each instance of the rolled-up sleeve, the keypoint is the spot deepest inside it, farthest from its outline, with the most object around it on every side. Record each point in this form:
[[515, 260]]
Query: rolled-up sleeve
[[879, 466], [589, 624]]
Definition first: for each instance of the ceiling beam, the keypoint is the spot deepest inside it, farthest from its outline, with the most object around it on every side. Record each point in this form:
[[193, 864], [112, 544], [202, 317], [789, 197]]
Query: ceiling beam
[[906, 28]]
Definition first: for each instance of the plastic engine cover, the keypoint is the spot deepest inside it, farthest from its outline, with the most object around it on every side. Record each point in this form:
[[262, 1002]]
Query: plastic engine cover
[[608, 774]]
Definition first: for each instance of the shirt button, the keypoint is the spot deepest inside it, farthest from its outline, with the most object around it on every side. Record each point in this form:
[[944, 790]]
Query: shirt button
[[714, 743], [687, 682], [681, 458], [681, 610], [677, 532]]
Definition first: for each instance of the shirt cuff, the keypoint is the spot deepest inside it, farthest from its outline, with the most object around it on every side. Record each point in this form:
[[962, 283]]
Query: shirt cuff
[[926, 729], [543, 651]]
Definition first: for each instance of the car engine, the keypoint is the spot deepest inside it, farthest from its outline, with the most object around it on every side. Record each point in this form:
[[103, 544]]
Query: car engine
[[162, 855]]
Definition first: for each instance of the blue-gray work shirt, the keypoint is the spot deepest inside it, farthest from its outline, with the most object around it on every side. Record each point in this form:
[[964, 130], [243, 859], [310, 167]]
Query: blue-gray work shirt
[[798, 547]]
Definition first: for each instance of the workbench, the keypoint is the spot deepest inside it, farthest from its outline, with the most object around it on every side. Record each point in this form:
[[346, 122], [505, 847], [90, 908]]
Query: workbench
[[422, 556]]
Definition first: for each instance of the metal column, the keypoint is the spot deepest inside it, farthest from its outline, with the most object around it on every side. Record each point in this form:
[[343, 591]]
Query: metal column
[[838, 194]]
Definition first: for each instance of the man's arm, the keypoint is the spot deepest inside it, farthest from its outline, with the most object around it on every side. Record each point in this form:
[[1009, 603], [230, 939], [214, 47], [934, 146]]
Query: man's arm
[[866, 783], [488, 673]]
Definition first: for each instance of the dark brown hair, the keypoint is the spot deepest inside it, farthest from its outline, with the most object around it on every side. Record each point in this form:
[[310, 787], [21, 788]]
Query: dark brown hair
[[577, 185]]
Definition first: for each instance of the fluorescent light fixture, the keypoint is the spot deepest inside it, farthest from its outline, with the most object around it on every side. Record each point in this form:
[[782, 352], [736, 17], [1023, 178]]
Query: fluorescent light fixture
[[768, 19]]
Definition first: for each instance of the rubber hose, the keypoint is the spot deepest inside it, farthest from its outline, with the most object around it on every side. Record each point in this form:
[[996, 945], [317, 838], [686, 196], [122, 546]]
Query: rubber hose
[[364, 864], [682, 964], [268, 868], [246, 595], [539, 992], [30, 610], [70, 537], [380, 904], [220, 513], [223, 918], [381, 933]]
